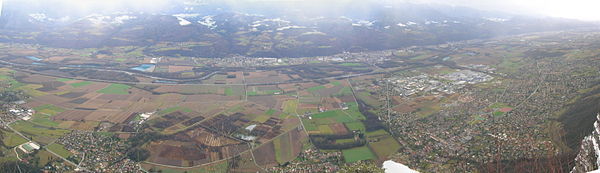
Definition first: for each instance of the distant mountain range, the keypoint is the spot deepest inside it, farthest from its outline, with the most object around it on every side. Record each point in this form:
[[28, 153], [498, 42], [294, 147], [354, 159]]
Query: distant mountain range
[[266, 29]]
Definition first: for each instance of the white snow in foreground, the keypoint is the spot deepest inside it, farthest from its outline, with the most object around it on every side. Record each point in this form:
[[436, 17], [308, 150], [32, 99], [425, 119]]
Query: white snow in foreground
[[394, 167]]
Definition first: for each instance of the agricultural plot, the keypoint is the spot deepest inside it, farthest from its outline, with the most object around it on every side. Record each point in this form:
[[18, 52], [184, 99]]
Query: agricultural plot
[[12, 139], [38, 133], [334, 122], [355, 126], [79, 84], [232, 90], [264, 90], [59, 149], [116, 89], [45, 158], [289, 145], [382, 143], [357, 154], [290, 106], [221, 166], [265, 77], [187, 89], [48, 109], [32, 89]]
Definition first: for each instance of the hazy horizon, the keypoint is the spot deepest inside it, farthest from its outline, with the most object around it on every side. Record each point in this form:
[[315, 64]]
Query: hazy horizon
[[574, 9]]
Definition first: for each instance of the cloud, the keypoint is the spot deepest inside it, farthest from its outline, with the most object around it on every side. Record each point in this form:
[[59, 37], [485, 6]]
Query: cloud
[[576, 9]]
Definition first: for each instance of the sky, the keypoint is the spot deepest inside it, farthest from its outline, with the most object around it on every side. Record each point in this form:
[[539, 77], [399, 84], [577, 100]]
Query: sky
[[574, 9]]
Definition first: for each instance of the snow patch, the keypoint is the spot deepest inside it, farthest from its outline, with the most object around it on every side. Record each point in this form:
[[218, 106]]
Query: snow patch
[[494, 19], [38, 16], [394, 167], [183, 15], [290, 27], [431, 22], [208, 21], [363, 23], [183, 22], [122, 19]]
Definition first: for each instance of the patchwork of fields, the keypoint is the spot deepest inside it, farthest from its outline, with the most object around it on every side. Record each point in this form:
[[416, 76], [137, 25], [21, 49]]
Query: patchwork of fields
[[227, 121]]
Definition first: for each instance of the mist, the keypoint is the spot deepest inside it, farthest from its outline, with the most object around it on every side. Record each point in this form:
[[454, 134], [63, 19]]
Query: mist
[[573, 9]]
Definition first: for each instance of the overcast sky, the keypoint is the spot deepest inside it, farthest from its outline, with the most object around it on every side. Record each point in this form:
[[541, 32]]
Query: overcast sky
[[576, 9]]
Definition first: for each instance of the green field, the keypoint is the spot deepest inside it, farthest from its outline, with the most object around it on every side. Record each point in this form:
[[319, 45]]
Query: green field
[[384, 146], [499, 105], [252, 93], [48, 109], [335, 116], [80, 84], [270, 112], [256, 92], [63, 79], [45, 157], [325, 129], [344, 91], [355, 126], [290, 107], [13, 139], [59, 149], [261, 118], [174, 109], [43, 120], [377, 133], [354, 112], [117, 89], [283, 149], [351, 64], [510, 65], [315, 88], [3, 77], [39, 133], [228, 92], [497, 113], [217, 167], [357, 154]]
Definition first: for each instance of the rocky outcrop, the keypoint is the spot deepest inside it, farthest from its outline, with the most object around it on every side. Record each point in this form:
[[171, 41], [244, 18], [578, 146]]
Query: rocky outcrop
[[587, 159]]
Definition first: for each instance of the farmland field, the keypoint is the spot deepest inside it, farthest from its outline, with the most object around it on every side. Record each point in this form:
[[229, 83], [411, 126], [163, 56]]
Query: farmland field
[[39, 133], [358, 126], [117, 89], [78, 84], [384, 146], [49, 109], [59, 149], [12, 139], [357, 154]]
